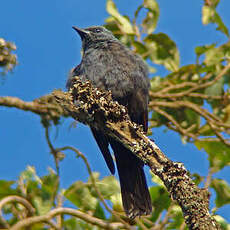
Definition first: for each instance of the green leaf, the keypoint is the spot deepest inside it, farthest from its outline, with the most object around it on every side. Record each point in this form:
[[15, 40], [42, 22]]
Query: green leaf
[[206, 130], [99, 212], [222, 189], [177, 219], [203, 49], [108, 186], [80, 195], [213, 56], [140, 48], [42, 206], [50, 185], [192, 117], [224, 225], [5, 188], [150, 21], [156, 83], [221, 26], [124, 22], [77, 224], [218, 152], [70, 224], [216, 89], [209, 15], [197, 178], [163, 51], [117, 202], [30, 174], [160, 200]]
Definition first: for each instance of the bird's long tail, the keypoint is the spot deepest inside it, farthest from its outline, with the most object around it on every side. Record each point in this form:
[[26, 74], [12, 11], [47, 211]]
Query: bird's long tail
[[135, 194]]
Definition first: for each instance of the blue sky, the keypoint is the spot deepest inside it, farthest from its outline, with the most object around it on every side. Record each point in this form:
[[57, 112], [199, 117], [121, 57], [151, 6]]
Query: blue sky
[[47, 48]]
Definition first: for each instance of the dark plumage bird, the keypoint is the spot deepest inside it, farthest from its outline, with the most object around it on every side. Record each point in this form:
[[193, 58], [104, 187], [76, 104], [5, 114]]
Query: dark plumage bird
[[112, 66]]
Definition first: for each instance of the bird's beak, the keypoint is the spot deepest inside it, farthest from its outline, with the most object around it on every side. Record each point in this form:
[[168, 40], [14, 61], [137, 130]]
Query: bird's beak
[[83, 33]]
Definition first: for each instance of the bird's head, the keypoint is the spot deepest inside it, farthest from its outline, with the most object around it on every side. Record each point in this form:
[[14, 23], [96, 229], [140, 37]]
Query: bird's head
[[94, 35]]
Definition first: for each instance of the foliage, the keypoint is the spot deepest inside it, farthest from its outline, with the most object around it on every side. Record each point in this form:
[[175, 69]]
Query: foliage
[[8, 60], [192, 100]]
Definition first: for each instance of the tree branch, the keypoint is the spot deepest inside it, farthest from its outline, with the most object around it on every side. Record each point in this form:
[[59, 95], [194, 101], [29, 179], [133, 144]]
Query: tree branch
[[18, 199], [95, 108], [66, 211]]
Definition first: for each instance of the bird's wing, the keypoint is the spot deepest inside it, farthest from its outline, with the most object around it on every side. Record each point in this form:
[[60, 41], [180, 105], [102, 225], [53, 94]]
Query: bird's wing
[[137, 105], [144, 120], [104, 147], [73, 72]]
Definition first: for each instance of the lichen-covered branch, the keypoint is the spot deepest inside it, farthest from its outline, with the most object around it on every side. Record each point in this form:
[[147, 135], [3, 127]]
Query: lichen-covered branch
[[95, 108]]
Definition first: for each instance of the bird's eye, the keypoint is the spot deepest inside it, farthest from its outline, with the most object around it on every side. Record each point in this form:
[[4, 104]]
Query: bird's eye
[[97, 30]]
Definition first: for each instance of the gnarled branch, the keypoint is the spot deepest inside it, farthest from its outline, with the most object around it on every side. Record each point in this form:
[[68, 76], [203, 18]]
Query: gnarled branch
[[95, 108]]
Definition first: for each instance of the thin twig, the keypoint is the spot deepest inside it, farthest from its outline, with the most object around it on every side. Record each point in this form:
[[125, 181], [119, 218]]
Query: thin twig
[[174, 122], [208, 178], [53, 151], [100, 196]]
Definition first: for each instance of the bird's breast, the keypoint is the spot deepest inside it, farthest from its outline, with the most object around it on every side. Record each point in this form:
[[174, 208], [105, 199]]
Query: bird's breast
[[109, 70]]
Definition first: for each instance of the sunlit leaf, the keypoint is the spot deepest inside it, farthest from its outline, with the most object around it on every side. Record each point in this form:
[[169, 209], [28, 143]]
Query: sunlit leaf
[[203, 49], [79, 195], [30, 174], [108, 186], [42, 206], [150, 21], [117, 202], [160, 200], [50, 185], [222, 189], [213, 56], [224, 225], [218, 152], [123, 21], [216, 89], [156, 83], [209, 15], [163, 51], [177, 218]]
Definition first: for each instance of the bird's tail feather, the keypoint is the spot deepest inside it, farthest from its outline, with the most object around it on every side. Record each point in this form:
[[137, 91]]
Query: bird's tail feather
[[135, 194]]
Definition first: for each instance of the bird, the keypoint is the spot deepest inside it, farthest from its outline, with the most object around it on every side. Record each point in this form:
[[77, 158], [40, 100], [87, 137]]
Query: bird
[[112, 66]]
